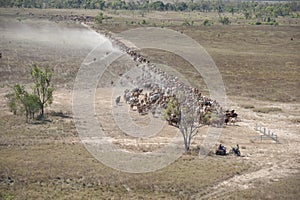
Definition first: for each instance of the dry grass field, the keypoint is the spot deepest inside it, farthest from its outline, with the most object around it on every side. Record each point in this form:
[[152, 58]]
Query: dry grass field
[[260, 66]]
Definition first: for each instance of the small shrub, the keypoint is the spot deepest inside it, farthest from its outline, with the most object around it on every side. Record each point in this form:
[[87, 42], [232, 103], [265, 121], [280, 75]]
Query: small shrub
[[257, 23], [99, 18], [225, 20], [12, 103], [207, 22], [186, 23]]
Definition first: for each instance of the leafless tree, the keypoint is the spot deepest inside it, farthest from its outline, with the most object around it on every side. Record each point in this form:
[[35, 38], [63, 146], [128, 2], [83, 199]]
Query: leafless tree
[[189, 121]]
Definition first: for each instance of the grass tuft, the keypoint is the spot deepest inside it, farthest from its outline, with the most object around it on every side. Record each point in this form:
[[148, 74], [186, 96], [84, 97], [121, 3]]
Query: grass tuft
[[267, 110], [248, 106]]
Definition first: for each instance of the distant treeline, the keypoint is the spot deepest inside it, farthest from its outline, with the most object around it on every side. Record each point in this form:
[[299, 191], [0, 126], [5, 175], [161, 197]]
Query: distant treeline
[[249, 8]]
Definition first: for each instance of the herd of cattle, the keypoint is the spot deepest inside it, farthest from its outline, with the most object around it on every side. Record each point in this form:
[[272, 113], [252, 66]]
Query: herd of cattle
[[160, 93]]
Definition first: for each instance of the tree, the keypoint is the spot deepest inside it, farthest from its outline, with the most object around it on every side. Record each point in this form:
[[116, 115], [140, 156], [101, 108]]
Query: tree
[[189, 122], [232, 10], [180, 6], [41, 96], [42, 86], [247, 15], [157, 5], [187, 113]]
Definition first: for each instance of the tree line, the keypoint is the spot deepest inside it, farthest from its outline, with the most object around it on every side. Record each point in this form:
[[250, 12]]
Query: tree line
[[248, 8]]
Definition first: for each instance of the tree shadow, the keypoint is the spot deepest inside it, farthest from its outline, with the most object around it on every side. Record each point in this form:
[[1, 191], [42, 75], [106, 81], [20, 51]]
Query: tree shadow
[[41, 121], [60, 114]]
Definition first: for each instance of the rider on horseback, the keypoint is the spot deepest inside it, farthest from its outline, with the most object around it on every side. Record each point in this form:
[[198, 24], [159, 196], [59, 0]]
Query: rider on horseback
[[236, 150]]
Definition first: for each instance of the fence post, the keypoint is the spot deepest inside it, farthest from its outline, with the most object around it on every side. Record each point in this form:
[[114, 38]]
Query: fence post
[[259, 128]]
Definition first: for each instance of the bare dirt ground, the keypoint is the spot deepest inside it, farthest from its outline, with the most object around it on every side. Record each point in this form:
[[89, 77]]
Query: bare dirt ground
[[48, 161], [274, 161]]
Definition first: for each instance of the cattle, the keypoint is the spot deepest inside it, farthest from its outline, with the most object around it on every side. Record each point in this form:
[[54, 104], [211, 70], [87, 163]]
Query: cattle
[[118, 100], [154, 97], [164, 87], [173, 120]]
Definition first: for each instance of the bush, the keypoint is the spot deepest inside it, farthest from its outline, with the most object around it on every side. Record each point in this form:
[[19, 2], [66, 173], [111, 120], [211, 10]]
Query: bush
[[186, 23], [225, 20], [144, 22], [207, 22], [99, 18]]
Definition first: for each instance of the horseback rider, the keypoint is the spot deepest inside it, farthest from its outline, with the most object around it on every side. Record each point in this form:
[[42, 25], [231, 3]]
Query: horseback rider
[[236, 150], [222, 147], [221, 150]]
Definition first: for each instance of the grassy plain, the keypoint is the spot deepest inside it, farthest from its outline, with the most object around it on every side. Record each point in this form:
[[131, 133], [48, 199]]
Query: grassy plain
[[260, 66]]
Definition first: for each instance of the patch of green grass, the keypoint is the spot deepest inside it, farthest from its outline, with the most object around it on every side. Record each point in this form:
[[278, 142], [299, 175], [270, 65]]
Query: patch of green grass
[[5, 196], [267, 109]]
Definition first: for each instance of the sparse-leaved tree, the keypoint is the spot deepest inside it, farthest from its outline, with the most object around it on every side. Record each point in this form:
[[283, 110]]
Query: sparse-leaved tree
[[187, 116], [42, 86], [189, 122]]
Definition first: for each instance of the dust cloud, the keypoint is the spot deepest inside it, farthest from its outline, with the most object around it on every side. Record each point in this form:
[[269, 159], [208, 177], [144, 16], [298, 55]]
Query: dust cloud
[[50, 33], [61, 46]]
